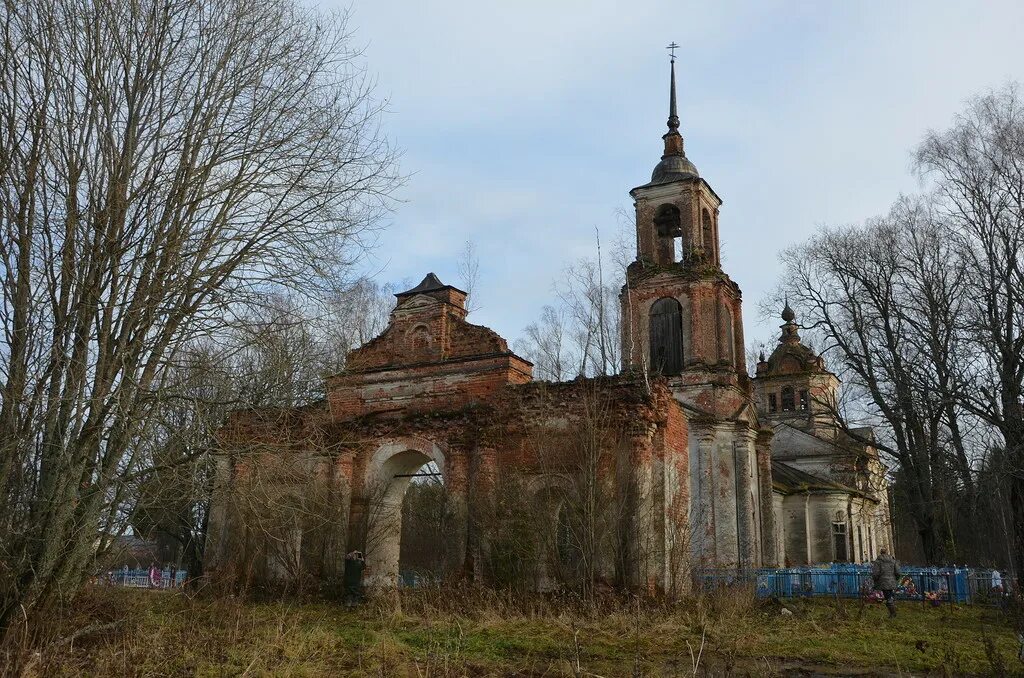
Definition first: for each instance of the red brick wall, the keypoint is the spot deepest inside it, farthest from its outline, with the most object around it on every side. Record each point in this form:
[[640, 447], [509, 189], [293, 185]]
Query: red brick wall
[[435, 378]]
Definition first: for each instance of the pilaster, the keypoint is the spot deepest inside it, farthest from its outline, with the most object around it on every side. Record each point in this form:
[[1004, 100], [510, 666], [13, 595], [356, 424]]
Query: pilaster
[[746, 509], [769, 533]]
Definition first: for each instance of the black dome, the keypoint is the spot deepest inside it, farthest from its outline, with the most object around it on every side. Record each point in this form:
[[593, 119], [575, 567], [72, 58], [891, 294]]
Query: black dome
[[673, 168]]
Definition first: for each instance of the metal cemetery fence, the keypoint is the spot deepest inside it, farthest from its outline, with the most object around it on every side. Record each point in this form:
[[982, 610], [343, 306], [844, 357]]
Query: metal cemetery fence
[[141, 579], [928, 585]]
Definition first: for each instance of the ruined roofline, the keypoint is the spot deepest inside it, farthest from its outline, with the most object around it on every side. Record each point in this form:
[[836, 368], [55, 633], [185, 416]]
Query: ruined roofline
[[618, 381], [429, 363], [278, 410]]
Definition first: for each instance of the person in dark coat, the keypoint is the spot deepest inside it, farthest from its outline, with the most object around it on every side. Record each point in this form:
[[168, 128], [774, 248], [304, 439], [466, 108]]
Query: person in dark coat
[[353, 578], [886, 573]]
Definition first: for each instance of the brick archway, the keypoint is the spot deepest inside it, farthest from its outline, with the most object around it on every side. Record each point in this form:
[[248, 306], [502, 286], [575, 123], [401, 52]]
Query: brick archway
[[389, 471]]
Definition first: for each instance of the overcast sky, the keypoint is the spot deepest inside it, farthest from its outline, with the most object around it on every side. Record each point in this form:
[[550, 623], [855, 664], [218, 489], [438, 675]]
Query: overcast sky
[[524, 124]]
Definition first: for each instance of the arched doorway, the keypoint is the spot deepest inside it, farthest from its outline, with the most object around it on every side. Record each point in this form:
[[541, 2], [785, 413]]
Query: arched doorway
[[392, 469], [428, 518]]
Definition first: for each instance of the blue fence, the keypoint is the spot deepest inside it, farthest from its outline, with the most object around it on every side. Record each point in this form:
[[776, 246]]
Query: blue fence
[[143, 579], [927, 585]]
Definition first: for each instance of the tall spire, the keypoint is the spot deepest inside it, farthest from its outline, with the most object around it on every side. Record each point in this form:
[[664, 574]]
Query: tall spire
[[674, 165], [673, 139], [673, 117]]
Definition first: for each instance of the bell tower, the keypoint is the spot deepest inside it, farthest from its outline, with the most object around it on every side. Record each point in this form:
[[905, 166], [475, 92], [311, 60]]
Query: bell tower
[[682, 321], [683, 310], [677, 211]]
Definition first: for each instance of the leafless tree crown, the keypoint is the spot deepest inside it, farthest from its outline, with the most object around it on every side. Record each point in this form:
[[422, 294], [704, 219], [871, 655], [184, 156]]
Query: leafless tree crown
[[163, 164]]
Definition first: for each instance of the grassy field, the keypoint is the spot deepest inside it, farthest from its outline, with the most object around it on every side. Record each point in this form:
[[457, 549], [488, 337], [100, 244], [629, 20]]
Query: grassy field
[[469, 632]]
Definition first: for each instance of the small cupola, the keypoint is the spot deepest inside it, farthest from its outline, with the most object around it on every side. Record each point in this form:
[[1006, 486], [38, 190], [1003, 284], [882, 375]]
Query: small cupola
[[432, 286], [791, 356]]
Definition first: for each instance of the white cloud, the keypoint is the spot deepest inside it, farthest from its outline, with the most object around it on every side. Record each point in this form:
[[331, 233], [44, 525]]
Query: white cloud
[[527, 123]]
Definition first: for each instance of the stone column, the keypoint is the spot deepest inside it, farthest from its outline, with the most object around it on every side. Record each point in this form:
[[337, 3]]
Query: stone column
[[456, 481], [743, 449], [769, 534], [739, 349], [643, 511], [726, 526], [483, 475], [702, 323], [704, 517]]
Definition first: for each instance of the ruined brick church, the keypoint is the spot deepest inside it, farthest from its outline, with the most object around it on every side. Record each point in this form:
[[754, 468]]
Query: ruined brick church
[[690, 462]]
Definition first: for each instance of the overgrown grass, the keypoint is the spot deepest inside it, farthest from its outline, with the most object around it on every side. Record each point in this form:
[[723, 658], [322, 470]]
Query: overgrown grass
[[468, 631]]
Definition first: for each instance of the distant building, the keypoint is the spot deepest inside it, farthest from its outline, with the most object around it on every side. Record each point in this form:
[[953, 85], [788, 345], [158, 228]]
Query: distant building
[[830, 491], [704, 466]]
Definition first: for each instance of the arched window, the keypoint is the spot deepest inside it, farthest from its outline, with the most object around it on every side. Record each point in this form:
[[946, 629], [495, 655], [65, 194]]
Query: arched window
[[788, 399], [839, 542], [419, 338], [669, 225], [668, 222], [707, 234], [666, 337]]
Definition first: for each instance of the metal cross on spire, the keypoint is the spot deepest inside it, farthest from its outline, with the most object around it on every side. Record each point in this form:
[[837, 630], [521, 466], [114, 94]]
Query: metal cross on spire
[[672, 47], [673, 117]]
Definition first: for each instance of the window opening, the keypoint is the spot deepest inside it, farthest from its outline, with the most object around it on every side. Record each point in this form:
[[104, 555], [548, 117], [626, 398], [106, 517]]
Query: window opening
[[707, 235], [839, 542], [668, 223], [788, 399]]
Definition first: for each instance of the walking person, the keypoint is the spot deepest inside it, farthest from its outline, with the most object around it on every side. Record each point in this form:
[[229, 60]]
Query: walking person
[[353, 578], [886, 573]]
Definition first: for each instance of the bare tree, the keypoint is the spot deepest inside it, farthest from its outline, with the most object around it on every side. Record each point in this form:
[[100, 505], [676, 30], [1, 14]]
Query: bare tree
[[545, 345], [355, 314], [581, 335], [427, 518], [162, 165], [882, 305], [469, 275], [590, 510], [170, 500], [592, 307], [273, 357], [923, 312], [978, 171], [284, 511]]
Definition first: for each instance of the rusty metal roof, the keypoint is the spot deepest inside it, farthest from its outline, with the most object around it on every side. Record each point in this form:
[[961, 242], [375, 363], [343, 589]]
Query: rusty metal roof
[[430, 283]]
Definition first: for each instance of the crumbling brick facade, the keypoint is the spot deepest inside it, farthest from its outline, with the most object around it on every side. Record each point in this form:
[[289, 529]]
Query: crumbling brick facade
[[435, 388], [672, 462]]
